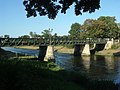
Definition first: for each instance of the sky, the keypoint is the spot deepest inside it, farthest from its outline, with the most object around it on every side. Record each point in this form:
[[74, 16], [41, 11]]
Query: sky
[[13, 20]]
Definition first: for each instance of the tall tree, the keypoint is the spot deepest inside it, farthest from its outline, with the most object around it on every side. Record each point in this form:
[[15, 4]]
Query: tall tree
[[75, 30], [112, 27], [87, 23], [107, 19], [96, 30], [52, 7], [103, 27]]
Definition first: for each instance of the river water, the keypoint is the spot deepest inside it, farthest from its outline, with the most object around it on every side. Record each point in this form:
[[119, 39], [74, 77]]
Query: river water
[[100, 67]]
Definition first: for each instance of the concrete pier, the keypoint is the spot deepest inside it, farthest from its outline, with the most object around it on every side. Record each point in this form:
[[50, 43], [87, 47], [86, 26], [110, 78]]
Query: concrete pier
[[78, 49], [109, 44], [86, 50], [42, 52], [50, 54]]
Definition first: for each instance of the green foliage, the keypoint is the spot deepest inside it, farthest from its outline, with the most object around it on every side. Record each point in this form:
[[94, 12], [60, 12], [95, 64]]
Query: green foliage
[[6, 36], [51, 8], [47, 33], [34, 35], [118, 25], [25, 36], [97, 29], [32, 75], [75, 30], [112, 29], [31, 34], [103, 27]]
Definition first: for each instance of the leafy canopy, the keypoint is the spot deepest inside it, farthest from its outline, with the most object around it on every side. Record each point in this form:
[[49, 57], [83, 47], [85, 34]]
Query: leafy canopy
[[103, 27], [75, 30], [52, 7]]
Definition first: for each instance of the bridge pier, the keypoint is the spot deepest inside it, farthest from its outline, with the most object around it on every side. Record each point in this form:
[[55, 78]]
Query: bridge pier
[[46, 53], [42, 52], [86, 50], [49, 54], [78, 49], [109, 44]]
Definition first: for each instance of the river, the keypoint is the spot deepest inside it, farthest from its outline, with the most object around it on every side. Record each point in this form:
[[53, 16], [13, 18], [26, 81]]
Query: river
[[100, 67]]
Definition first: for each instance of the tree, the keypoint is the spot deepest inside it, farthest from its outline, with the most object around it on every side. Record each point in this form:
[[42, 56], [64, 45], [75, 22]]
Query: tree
[[55, 35], [103, 27], [87, 23], [118, 25], [96, 30], [31, 34], [75, 30], [52, 7], [107, 19], [47, 33], [112, 29], [6, 36], [24, 36], [34, 35]]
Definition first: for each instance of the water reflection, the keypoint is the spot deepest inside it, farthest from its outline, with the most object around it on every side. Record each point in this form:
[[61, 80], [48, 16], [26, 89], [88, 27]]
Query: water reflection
[[101, 67]]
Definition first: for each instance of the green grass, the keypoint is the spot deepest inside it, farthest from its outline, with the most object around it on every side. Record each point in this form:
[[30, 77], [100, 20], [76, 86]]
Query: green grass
[[33, 75]]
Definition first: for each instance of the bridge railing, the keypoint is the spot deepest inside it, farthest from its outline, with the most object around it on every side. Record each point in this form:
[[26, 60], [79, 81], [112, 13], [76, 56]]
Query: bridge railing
[[48, 41]]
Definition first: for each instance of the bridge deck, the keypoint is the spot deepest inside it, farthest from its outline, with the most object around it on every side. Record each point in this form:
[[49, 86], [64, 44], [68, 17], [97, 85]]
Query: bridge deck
[[47, 41]]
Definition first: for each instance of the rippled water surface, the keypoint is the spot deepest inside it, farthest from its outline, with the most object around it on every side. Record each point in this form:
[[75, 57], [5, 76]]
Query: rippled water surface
[[101, 67]]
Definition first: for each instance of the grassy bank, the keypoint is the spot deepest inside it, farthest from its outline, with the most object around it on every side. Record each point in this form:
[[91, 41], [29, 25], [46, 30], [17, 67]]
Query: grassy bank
[[5, 54], [33, 75], [26, 74]]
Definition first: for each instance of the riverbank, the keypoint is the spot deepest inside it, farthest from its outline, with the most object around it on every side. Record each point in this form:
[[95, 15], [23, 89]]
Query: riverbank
[[33, 75], [60, 49], [115, 52], [6, 54], [27, 74]]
